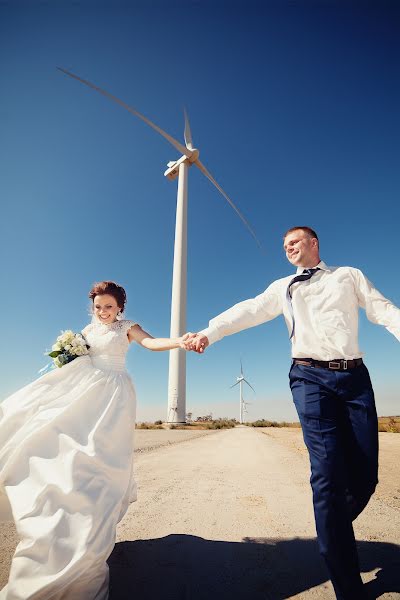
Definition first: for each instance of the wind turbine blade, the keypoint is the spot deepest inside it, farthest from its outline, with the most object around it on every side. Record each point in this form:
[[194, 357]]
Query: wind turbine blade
[[188, 134], [245, 380], [241, 368], [132, 110], [219, 188], [235, 384]]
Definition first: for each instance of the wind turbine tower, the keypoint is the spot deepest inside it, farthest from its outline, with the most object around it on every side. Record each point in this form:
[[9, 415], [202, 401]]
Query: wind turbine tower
[[242, 404]]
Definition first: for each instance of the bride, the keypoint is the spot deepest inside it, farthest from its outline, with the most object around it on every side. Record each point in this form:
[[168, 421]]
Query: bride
[[66, 448]]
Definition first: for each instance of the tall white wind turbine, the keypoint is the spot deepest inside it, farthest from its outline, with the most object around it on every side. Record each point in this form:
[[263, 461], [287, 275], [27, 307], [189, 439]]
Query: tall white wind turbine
[[178, 168], [242, 404]]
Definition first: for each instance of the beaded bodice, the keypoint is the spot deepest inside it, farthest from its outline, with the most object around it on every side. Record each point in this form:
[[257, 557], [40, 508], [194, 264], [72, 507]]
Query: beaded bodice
[[108, 343]]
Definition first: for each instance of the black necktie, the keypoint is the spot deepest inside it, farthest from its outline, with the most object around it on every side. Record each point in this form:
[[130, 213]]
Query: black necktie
[[307, 274]]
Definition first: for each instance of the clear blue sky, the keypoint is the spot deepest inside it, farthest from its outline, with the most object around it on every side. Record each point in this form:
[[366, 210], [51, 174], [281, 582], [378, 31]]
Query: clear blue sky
[[295, 109]]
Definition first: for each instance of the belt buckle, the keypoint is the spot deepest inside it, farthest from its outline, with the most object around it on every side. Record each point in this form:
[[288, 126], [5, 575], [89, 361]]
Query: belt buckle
[[333, 364], [344, 364]]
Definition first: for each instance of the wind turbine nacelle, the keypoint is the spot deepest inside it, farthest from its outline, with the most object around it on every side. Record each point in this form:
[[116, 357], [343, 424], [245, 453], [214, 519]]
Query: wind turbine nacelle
[[173, 171]]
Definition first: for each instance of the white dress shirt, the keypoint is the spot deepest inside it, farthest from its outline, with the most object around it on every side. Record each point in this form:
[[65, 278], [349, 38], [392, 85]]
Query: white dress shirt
[[325, 309]]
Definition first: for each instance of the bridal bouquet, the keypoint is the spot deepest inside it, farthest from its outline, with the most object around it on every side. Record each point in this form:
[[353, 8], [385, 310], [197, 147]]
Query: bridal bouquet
[[68, 346]]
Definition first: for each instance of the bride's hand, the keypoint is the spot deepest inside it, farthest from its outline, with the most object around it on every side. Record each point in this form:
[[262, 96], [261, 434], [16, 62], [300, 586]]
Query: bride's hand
[[185, 341]]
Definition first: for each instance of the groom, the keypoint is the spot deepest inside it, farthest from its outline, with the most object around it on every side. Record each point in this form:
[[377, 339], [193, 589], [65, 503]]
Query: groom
[[330, 385]]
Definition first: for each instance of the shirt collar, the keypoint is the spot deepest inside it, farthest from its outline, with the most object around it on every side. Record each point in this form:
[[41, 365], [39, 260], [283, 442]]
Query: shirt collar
[[321, 265]]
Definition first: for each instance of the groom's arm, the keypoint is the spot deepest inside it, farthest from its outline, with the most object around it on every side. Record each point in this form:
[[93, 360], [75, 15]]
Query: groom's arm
[[246, 314]]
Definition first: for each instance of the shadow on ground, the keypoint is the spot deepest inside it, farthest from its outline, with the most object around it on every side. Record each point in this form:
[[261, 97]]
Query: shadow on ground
[[184, 567]]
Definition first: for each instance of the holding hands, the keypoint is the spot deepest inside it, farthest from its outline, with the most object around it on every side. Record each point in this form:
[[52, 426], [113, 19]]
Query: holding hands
[[194, 341]]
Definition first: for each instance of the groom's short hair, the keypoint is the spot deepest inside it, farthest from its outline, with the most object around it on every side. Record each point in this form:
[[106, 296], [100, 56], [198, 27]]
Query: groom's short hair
[[310, 232]]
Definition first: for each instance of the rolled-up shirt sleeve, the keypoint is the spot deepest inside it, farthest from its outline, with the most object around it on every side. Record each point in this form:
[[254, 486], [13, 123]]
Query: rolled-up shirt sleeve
[[246, 314], [378, 308]]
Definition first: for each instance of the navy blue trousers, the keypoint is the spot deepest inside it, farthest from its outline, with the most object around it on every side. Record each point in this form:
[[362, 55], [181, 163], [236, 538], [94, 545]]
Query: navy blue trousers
[[340, 429]]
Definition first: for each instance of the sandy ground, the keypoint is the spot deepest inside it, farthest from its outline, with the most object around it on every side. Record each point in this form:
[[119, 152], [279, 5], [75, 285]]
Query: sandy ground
[[228, 514]]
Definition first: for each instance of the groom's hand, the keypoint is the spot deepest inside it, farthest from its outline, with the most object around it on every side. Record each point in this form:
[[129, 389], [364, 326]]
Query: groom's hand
[[199, 343]]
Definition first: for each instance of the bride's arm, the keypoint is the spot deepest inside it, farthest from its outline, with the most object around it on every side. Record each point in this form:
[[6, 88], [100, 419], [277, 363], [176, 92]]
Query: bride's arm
[[137, 334]]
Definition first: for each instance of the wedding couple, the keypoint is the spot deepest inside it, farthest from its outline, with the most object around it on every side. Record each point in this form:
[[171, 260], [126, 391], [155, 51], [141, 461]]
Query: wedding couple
[[66, 443]]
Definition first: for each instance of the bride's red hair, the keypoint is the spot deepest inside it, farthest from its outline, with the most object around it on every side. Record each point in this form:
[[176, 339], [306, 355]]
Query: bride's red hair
[[111, 288]]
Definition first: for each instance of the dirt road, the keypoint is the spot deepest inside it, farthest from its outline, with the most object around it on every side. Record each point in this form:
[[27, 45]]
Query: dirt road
[[229, 515]]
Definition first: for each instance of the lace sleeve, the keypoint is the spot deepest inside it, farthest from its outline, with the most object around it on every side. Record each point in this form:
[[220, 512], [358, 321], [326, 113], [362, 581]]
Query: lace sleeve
[[125, 325]]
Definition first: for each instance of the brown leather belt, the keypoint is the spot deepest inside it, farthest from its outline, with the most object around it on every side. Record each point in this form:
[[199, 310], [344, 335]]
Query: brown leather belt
[[340, 364]]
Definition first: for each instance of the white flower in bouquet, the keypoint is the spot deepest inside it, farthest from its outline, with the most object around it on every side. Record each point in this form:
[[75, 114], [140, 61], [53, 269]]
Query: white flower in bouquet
[[78, 350], [78, 340], [66, 337]]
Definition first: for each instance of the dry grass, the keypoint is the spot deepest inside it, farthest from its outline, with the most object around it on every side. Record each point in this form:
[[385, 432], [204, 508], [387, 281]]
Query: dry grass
[[194, 426], [266, 423], [389, 424], [155, 425], [385, 424]]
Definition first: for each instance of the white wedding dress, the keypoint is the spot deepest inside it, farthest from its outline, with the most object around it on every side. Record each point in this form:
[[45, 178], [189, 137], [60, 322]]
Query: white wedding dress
[[66, 450]]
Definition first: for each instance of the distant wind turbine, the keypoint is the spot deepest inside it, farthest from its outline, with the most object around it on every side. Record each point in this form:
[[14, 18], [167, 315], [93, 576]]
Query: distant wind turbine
[[178, 168], [242, 404]]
